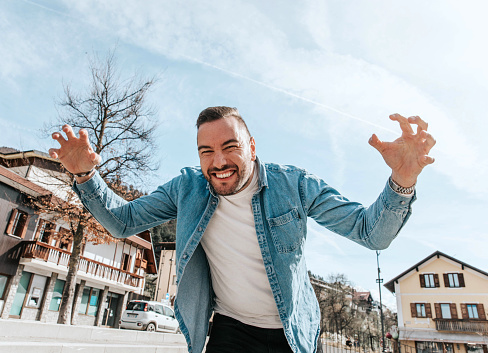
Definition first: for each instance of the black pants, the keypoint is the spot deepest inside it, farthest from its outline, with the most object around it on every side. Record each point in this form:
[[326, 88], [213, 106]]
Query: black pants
[[231, 336]]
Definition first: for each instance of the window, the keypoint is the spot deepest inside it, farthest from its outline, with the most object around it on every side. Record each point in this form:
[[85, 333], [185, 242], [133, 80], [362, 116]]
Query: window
[[159, 309], [89, 301], [3, 285], [453, 280], [36, 291], [168, 312], [429, 280], [44, 231], [473, 311], [420, 310], [17, 225], [57, 295], [445, 311], [126, 262], [434, 347], [64, 239]]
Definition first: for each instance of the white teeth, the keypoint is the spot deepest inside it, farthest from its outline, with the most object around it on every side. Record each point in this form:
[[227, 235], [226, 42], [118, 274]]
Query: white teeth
[[224, 175]]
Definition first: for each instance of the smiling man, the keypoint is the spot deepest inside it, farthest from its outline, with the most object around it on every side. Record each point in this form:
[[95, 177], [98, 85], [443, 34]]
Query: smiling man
[[242, 226], [226, 151]]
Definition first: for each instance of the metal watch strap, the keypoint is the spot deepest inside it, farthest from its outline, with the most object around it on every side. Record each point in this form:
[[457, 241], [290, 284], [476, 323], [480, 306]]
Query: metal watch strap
[[401, 189], [79, 175]]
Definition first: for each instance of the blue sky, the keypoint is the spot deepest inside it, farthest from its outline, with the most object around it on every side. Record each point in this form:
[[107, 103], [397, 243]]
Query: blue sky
[[313, 79]]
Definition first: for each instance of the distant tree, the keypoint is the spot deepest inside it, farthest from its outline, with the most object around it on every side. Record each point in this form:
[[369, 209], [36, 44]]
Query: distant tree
[[120, 127], [338, 303], [165, 232]]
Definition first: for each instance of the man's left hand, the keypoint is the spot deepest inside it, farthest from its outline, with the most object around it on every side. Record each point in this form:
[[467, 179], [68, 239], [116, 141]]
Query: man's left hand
[[408, 154]]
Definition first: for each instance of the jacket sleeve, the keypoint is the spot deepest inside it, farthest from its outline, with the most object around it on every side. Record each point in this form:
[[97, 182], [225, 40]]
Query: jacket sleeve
[[374, 227], [121, 218]]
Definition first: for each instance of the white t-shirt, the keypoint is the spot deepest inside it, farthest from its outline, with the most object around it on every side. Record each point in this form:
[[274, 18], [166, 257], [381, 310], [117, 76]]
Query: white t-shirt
[[238, 275]]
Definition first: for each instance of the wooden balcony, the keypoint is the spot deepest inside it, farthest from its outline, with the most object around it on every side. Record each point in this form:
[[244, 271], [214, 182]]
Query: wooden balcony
[[45, 252], [480, 327]]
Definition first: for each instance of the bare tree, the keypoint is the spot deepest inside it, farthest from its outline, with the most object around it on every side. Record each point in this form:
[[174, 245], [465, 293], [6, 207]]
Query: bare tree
[[121, 127]]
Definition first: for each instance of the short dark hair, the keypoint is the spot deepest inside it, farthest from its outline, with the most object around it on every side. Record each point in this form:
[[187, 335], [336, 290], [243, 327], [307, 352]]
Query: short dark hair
[[215, 113]]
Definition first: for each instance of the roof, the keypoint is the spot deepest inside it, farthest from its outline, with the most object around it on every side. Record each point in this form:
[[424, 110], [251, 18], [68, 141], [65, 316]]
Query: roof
[[10, 157], [5, 150], [362, 295], [21, 184], [11, 153], [144, 240], [390, 285]]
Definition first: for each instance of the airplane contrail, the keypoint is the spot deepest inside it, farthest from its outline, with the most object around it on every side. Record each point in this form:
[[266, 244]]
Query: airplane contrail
[[291, 94]]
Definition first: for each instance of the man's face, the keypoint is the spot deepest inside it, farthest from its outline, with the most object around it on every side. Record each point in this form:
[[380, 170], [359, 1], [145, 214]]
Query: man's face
[[227, 155]]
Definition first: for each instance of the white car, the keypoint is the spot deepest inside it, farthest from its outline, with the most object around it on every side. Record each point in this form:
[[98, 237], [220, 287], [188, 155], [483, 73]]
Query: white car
[[150, 316]]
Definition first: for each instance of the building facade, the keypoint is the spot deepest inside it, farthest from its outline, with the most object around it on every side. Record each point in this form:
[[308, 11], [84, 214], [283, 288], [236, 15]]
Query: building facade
[[166, 281], [441, 305], [34, 253]]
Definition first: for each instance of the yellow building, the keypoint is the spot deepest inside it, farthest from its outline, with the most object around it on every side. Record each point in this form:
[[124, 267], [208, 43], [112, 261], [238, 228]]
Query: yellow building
[[441, 305]]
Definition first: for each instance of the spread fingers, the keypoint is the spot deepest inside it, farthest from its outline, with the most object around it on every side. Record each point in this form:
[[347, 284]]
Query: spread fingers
[[68, 131], [54, 153], [429, 140], [404, 123], [421, 125]]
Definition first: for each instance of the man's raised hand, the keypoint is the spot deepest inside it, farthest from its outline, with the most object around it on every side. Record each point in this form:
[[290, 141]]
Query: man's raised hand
[[409, 153], [75, 153]]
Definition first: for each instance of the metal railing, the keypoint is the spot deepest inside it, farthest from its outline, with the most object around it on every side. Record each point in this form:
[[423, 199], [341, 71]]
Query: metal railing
[[358, 342], [42, 251], [364, 342], [462, 326]]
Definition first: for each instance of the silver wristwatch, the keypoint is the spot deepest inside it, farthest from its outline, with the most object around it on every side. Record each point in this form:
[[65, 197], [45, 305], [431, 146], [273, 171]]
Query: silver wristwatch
[[400, 189]]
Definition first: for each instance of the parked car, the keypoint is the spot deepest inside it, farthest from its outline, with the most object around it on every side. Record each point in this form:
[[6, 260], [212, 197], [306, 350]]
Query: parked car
[[150, 316]]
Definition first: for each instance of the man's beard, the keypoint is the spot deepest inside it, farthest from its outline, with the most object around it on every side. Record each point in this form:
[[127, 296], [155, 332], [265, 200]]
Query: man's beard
[[230, 189]]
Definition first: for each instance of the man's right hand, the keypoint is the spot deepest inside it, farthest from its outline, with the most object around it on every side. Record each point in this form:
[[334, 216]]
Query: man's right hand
[[76, 154]]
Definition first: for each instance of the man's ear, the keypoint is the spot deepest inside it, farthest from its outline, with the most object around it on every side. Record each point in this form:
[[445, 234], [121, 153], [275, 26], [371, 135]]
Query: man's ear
[[252, 145]]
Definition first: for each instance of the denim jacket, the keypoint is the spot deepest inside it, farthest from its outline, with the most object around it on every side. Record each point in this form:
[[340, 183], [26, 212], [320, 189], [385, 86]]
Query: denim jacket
[[286, 196]]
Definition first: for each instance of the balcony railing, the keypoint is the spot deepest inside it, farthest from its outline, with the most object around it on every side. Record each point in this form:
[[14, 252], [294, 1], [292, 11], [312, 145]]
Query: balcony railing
[[42, 251], [462, 326]]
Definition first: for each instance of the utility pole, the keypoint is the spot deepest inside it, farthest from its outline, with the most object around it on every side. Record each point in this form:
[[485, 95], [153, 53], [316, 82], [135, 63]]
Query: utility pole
[[379, 281]]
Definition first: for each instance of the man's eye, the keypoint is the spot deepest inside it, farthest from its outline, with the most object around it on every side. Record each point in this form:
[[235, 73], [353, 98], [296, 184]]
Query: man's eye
[[205, 152], [230, 148]]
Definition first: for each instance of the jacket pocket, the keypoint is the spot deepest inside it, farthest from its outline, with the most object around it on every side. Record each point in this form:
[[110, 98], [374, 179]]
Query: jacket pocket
[[286, 231]]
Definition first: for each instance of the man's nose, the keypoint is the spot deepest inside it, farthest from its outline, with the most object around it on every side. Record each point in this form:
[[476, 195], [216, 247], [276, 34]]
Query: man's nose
[[219, 160]]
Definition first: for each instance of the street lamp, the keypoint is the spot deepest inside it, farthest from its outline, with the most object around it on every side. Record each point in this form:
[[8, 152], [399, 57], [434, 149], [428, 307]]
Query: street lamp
[[379, 281]]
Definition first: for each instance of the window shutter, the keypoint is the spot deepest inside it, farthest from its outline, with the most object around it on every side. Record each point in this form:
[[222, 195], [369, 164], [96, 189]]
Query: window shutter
[[422, 281], [436, 280], [11, 221], [454, 315], [464, 312], [481, 312], [413, 309], [438, 311], [446, 280], [40, 223], [461, 280], [428, 310], [24, 225]]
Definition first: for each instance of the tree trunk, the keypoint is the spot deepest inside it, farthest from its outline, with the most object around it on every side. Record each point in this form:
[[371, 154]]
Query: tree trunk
[[70, 285]]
